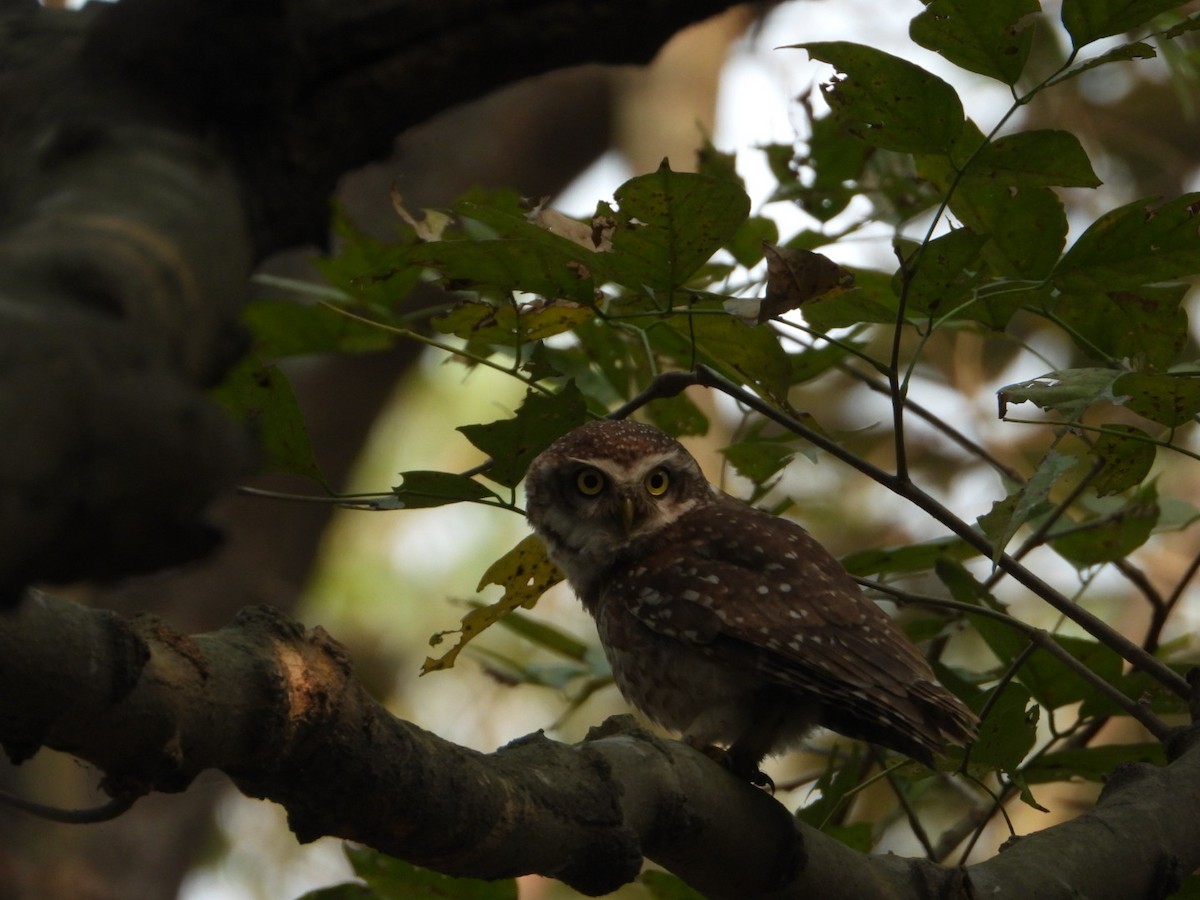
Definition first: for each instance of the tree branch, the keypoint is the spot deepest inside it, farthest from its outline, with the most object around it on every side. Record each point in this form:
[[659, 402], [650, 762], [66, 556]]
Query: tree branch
[[155, 150], [277, 708], [671, 383]]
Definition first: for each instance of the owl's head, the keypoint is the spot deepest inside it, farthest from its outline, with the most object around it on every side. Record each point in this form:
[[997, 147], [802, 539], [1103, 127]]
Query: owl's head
[[597, 489]]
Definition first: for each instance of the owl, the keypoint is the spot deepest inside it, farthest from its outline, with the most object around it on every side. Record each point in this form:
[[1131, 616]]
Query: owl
[[720, 621]]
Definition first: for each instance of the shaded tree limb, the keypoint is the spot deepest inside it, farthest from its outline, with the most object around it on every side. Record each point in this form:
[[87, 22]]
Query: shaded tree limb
[[155, 150], [276, 707]]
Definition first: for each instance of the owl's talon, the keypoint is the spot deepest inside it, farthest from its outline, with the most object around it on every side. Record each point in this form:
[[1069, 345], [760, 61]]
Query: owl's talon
[[761, 779], [751, 772]]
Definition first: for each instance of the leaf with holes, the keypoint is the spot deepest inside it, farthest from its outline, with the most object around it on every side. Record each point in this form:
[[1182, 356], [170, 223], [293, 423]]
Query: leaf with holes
[[1090, 20], [262, 397], [525, 572], [1029, 501], [991, 38], [886, 101], [1127, 454], [1147, 326], [1171, 400], [1141, 243], [1069, 391], [1118, 528], [667, 225], [513, 443]]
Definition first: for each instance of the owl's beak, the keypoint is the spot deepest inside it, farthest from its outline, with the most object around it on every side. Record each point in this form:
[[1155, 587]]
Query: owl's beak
[[628, 514]]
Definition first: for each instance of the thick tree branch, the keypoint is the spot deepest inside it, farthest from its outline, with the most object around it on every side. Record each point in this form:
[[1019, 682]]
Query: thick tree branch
[[155, 150], [277, 708]]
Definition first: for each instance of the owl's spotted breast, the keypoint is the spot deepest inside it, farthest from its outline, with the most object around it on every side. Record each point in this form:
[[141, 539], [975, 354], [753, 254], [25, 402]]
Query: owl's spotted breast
[[722, 621]]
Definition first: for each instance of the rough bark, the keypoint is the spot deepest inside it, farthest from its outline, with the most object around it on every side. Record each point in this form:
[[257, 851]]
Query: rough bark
[[154, 151], [277, 708]]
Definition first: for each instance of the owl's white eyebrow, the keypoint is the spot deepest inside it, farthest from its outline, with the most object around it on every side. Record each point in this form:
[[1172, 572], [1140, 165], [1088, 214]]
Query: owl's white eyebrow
[[607, 465]]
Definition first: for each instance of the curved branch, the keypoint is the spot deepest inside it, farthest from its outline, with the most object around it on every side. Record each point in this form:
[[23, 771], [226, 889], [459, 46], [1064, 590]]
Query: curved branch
[[276, 707], [155, 151]]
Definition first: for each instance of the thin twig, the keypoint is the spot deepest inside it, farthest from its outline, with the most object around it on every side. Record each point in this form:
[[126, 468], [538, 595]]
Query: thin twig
[[1100, 630], [105, 812], [910, 813], [1039, 639], [1163, 612]]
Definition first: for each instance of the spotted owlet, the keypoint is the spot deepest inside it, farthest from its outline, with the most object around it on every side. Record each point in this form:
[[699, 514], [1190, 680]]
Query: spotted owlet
[[719, 620]]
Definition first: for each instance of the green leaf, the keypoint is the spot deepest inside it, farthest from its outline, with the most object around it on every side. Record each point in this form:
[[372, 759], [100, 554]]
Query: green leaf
[[390, 878], [1120, 528], [513, 443], [903, 560], [1008, 732], [286, 328], [1176, 514], [945, 272], [1091, 763], [1113, 534], [888, 102], [1148, 326], [872, 299], [678, 416], [608, 363], [1128, 456], [262, 397], [988, 38], [833, 163], [422, 490], [550, 267], [1143, 688], [1187, 25], [1090, 20], [1039, 158], [377, 274], [1069, 391], [1171, 400], [728, 345], [839, 781], [1052, 683], [509, 325], [760, 458], [858, 836], [540, 634], [1137, 244], [746, 245], [813, 362], [1025, 228], [1030, 500], [667, 225], [962, 584], [717, 164]]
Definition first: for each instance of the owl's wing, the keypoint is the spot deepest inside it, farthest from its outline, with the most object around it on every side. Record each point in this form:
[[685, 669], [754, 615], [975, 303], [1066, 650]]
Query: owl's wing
[[760, 592]]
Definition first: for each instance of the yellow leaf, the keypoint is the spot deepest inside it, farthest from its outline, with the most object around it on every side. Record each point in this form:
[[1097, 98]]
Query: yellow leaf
[[525, 573]]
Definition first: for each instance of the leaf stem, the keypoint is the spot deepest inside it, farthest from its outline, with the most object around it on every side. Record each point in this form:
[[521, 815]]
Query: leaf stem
[[411, 335]]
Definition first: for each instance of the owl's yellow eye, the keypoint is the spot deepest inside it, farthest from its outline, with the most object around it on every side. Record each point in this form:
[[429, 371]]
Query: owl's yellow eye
[[590, 482], [657, 482]]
